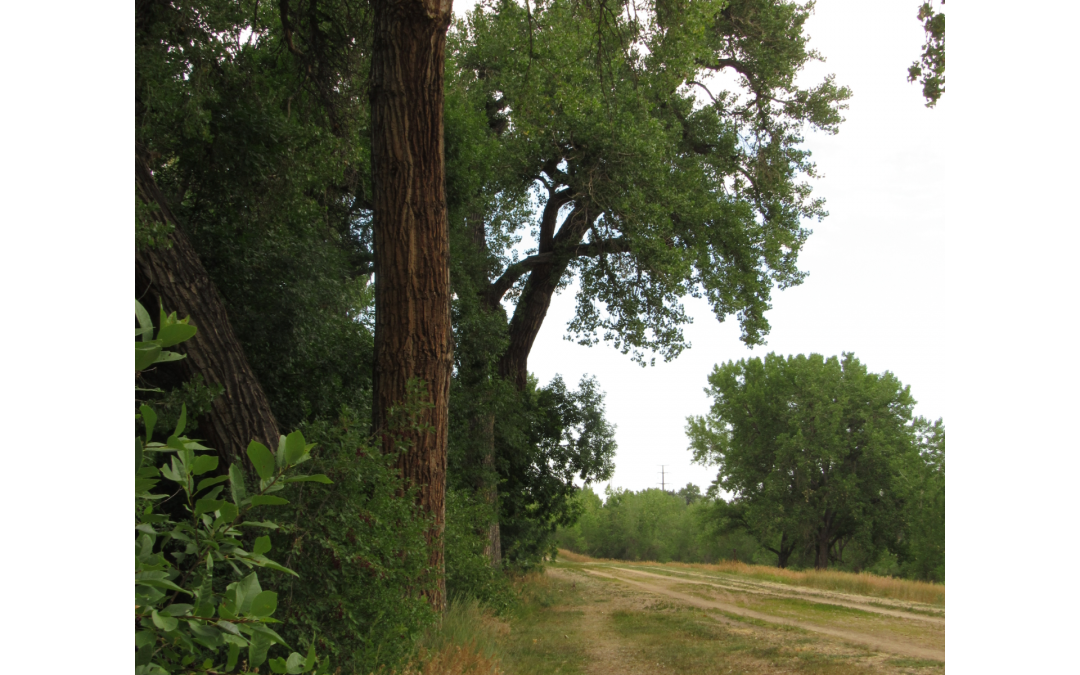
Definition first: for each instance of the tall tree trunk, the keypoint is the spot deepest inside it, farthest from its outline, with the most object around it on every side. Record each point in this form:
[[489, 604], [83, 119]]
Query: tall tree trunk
[[412, 272], [483, 423], [824, 542], [176, 277]]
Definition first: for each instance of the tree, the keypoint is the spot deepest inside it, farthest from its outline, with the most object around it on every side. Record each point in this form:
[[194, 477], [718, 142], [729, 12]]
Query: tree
[[923, 555], [662, 146], [412, 269], [929, 69], [167, 268], [811, 451], [691, 493]]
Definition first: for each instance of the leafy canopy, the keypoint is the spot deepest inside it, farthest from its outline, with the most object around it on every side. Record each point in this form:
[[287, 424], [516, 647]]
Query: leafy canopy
[[810, 450]]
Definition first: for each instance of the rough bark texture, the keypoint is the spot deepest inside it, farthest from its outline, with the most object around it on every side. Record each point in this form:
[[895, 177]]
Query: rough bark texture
[[177, 278], [412, 272]]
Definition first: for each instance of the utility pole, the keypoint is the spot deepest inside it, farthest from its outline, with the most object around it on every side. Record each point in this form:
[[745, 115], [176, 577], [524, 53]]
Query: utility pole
[[663, 476]]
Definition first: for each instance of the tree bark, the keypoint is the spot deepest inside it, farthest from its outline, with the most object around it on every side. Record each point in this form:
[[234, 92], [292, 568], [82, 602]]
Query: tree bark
[[412, 273], [176, 277], [535, 299]]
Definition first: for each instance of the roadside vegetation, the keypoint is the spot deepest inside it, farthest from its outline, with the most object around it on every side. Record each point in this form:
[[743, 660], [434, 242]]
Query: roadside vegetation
[[306, 503]]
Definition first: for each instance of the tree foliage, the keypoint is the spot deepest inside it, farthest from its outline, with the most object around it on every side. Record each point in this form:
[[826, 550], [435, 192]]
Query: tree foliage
[[929, 69], [662, 146], [811, 450]]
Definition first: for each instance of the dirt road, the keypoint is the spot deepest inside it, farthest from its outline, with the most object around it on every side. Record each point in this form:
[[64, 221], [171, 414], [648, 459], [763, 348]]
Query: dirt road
[[636, 621]]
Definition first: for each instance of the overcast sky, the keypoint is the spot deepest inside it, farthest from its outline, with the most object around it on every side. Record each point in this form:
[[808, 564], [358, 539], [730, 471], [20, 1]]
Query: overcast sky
[[875, 263]]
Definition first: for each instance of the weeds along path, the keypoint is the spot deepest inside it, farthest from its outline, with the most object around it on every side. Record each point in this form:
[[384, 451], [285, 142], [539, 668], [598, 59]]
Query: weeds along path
[[895, 638], [911, 611]]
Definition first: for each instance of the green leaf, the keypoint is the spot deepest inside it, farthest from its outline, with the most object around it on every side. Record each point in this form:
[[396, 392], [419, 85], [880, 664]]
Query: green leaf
[[208, 482], [260, 523], [270, 564], [260, 643], [180, 423], [268, 500], [259, 628], [144, 654], [294, 448], [178, 610], [234, 654], [281, 451], [309, 662], [146, 354], [264, 604], [277, 665], [143, 638], [165, 357], [203, 464], [175, 334], [149, 418], [228, 512], [228, 627], [208, 505], [145, 324], [296, 664], [262, 545], [236, 484], [165, 583], [163, 621], [313, 478], [262, 459], [246, 590], [138, 457]]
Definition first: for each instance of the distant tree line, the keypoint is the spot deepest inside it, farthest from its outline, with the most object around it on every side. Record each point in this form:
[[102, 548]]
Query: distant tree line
[[821, 464]]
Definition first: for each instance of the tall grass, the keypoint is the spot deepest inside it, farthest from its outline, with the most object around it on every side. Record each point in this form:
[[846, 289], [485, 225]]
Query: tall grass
[[464, 642], [862, 583]]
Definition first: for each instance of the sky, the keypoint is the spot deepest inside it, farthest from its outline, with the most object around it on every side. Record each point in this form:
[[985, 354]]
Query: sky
[[876, 263]]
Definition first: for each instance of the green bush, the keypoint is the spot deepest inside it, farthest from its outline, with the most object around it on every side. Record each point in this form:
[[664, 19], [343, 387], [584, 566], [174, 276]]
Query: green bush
[[197, 592], [469, 573], [360, 550]]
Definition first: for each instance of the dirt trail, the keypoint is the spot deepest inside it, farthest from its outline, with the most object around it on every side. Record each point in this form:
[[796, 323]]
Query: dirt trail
[[872, 641], [823, 597], [609, 654]]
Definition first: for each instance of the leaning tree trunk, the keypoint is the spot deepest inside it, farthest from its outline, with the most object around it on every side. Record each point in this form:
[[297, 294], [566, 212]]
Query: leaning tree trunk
[[176, 277], [412, 248]]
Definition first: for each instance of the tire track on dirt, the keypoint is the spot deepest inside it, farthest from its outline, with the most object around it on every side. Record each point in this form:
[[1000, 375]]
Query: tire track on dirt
[[871, 641], [748, 587]]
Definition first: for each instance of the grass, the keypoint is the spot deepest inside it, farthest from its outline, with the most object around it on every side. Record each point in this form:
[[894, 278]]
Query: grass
[[862, 583], [536, 638], [686, 641]]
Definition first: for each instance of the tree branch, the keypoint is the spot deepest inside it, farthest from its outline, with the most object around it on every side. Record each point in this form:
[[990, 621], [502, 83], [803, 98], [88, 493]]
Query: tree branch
[[494, 293]]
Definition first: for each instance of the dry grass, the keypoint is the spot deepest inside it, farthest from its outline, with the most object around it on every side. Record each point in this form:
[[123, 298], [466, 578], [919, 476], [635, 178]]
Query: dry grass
[[465, 642], [454, 660], [863, 583]]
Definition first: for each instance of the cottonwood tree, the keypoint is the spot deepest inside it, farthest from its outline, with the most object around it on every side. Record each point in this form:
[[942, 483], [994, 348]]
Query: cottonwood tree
[[662, 145], [412, 268], [811, 451]]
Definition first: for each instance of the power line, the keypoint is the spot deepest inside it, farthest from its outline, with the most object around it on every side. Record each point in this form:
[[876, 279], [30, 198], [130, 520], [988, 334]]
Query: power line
[[663, 478]]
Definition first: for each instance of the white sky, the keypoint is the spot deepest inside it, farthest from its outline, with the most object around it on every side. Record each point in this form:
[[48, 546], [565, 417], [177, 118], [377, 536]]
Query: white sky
[[876, 263]]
